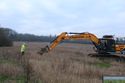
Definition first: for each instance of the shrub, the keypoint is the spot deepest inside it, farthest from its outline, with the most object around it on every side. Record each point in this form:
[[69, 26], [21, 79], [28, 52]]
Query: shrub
[[4, 38]]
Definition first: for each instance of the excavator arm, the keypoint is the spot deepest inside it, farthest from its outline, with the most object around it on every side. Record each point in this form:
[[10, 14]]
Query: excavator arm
[[68, 36]]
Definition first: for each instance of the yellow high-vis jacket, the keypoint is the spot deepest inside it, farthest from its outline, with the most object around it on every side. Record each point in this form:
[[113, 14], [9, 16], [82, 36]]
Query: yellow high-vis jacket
[[23, 48]]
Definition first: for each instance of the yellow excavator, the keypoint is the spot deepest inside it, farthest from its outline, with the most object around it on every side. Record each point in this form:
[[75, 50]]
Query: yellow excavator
[[105, 45]]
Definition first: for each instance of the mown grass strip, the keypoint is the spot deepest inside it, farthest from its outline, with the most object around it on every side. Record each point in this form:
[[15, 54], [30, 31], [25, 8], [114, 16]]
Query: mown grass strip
[[114, 81]]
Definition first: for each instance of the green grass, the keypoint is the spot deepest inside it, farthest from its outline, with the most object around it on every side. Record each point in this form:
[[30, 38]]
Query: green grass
[[3, 77], [102, 65], [114, 81], [18, 79]]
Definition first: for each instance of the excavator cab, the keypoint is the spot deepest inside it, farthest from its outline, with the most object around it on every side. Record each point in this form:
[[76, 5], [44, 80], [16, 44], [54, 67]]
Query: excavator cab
[[107, 44]]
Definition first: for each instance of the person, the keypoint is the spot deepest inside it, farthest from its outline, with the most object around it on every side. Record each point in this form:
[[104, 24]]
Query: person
[[23, 48]]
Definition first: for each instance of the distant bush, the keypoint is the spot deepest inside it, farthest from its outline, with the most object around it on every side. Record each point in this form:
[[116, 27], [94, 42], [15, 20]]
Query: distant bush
[[4, 37]]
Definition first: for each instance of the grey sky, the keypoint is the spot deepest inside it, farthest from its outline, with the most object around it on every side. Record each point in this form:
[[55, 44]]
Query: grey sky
[[44, 17]]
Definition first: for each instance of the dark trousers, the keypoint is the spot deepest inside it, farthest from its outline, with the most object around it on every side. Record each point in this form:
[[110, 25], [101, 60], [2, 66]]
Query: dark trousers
[[22, 53]]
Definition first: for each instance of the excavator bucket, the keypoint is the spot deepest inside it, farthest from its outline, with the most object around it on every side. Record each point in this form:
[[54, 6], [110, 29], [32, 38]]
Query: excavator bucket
[[43, 50]]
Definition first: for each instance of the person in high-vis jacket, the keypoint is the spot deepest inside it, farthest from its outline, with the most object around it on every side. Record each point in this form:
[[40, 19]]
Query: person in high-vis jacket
[[23, 48]]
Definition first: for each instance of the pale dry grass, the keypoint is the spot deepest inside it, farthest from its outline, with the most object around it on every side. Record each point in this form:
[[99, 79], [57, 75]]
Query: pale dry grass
[[67, 63], [70, 64], [10, 69]]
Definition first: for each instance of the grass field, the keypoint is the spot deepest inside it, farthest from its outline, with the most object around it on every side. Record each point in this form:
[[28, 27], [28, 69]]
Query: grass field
[[67, 63], [114, 81]]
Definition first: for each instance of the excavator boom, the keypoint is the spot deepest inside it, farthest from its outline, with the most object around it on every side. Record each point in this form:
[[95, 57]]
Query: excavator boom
[[68, 36]]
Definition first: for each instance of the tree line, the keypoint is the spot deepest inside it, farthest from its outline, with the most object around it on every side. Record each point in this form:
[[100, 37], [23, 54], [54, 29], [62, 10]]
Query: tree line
[[7, 36]]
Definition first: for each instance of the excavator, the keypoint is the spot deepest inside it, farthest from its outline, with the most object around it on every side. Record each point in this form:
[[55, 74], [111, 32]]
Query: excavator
[[104, 46]]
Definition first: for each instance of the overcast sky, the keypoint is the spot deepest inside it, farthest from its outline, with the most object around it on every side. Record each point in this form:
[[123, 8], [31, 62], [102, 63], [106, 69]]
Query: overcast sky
[[44, 17]]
